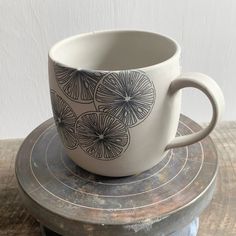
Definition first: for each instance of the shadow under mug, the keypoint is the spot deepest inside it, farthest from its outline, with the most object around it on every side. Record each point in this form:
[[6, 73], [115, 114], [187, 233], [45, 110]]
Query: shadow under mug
[[116, 99]]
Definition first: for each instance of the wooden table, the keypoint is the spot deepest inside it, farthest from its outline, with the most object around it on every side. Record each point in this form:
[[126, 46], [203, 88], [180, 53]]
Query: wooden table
[[218, 219]]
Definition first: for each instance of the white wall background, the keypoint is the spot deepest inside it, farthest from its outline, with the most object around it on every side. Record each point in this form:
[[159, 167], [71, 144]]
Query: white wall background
[[206, 30]]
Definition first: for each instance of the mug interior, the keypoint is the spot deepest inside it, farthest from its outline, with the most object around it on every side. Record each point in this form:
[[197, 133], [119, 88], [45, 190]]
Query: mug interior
[[114, 50]]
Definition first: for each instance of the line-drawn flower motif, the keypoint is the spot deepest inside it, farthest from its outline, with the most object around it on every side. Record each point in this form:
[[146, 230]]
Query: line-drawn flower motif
[[65, 119], [102, 135], [77, 85], [127, 95]]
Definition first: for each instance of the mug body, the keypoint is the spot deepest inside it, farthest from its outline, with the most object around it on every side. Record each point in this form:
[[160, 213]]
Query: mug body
[[110, 99]]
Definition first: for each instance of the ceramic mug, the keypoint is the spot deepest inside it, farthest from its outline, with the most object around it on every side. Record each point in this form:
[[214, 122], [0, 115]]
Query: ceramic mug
[[116, 99]]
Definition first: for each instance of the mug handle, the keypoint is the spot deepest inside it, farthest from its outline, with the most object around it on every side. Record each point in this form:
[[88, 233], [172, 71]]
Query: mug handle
[[209, 87]]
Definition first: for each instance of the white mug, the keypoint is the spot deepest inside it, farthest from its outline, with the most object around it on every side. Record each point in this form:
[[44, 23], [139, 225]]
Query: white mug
[[116, 99]]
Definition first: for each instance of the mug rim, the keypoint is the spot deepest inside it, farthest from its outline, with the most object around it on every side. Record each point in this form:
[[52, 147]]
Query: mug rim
[[175, 55]]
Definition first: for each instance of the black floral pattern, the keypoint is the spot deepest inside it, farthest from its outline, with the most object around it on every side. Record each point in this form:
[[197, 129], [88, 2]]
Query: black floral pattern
[[65, 119], [122, 100], [102, 135], [77, 85], [127, 95]]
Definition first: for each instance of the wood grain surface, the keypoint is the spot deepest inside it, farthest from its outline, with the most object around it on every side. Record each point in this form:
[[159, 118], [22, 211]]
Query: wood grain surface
[[219, 219]]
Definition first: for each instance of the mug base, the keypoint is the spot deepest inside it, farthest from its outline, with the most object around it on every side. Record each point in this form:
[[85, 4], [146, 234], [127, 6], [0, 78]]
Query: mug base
[[115, 171]]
